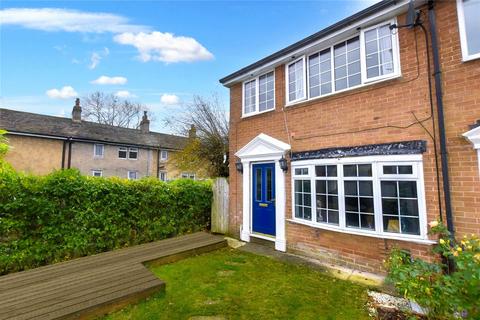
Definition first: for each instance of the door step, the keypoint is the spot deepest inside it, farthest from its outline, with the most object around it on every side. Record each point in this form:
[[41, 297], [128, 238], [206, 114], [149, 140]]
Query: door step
[[263, 242]]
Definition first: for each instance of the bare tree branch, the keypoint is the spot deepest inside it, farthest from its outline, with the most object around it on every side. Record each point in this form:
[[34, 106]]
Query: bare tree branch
[[109, 109]]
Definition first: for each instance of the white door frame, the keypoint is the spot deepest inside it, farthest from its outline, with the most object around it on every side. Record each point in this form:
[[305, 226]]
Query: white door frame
[[264, 148]]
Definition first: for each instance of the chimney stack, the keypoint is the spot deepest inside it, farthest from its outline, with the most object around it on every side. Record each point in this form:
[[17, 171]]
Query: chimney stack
[[145, 123], [77, 112], [192, 133]]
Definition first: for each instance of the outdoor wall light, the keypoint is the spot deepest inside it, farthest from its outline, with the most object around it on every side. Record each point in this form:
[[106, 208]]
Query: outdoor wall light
[[283, 164], [239, 166]]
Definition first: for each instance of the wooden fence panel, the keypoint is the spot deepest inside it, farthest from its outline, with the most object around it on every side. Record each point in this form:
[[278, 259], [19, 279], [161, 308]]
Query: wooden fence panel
[[220, 206]]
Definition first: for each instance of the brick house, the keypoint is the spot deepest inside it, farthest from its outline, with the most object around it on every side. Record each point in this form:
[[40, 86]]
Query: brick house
[[348, 142], [40, 144]]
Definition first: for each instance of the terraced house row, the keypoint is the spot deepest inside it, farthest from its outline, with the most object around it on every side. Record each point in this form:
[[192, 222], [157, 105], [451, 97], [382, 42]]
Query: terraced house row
[[40, 144], [348, 142]]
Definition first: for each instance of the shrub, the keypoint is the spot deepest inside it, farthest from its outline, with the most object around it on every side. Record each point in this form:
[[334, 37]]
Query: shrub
[[66, 215], [448, 288]]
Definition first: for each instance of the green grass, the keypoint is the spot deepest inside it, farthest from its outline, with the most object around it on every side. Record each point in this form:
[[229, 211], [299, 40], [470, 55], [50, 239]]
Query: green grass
[[239, 285]]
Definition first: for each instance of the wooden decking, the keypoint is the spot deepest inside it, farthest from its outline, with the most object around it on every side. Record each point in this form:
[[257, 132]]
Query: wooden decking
[[90, 286]]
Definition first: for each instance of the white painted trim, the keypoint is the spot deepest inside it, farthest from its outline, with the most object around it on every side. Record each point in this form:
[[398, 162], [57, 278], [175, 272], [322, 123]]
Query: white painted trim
[[377, 176], [257, 95], [373, 235], [466, 56], [474, 137], [96, 156], [387, 13], [260, 236], [397, 70], [97, 171], [287, 81], [263, 148]]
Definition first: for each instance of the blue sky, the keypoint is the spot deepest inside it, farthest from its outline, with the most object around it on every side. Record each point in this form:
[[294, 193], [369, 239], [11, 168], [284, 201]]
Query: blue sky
[[158, 53]]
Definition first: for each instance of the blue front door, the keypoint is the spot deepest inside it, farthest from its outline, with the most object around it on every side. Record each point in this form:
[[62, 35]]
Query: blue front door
[[263, 196]]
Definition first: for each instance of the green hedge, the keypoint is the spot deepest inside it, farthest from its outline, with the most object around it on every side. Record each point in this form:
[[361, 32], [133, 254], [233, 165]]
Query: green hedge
[[66, 215]]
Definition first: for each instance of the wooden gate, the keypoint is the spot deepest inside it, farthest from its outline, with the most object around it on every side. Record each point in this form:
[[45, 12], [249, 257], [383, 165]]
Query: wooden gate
[[220, 206]]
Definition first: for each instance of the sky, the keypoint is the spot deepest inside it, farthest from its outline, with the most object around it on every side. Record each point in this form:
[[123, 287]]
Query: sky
[[158, 53]]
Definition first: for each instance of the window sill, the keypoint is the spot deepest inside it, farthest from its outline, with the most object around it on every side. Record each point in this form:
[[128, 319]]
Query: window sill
[[244, 116], [333, 94], [362, 233], [471, 57]]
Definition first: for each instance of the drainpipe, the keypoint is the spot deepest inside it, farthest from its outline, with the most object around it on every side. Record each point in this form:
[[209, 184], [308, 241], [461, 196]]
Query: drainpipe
[[69, 162], [63, 153], [441, 118]]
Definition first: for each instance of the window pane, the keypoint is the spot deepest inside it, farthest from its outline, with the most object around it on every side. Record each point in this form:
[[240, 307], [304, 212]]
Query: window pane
[[320, 171], [321, 201], [332, 187], [367, 221], [351, 204], [333, 202], [295, 79], [378, 48], [390, 206], [332, 171], [322, 215], [306, 186], [389, 189], [350, 170], [389, 169], [333, 217], [366, 205], [471, 12], [408, 207], [405, 169], [321, 186], [352, 219], [391, 224], [320, 73], [410, 225], [407, 189], [351, 188], [258, 185], [364, 170], [266, 91], [269, 184], [365, 188], [249, 96]]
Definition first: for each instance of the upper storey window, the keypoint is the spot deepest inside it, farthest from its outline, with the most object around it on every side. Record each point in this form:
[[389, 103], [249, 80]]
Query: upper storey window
[[469, 24], [259, 94], [369, 56]]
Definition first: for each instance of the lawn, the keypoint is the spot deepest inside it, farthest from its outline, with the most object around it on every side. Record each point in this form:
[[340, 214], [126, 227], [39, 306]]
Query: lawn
[[232, 284]]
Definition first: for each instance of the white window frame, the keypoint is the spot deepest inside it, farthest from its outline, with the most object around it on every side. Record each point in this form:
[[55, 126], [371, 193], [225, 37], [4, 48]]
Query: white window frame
[[188, 175], [164, 173], [161, 155], [377, 163], [122, 149], [287, 81], [136, 175], [463, 34], [94, 171], [257, 95], [95, 155], [135, 150], [363, 65]]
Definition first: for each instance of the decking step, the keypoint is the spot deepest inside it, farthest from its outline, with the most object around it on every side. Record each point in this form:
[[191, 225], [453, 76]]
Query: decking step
[[96, 284]]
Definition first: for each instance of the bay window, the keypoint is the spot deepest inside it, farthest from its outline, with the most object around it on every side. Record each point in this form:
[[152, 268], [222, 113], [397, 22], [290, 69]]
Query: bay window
[[369, 56], [259, 94], [376, 195]]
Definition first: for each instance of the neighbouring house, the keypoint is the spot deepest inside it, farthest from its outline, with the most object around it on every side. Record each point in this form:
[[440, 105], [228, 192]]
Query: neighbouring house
[[340, 147], [40, 144]]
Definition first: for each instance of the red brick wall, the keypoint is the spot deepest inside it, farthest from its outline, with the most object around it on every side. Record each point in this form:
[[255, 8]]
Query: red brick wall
[[380, 113]]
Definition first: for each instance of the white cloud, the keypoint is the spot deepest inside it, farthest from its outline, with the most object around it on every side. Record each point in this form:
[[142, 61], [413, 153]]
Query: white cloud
[[55, 19], [109, 80], [66, 92], [97, 56], [165, 47], [169, 99], [124, 94]]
